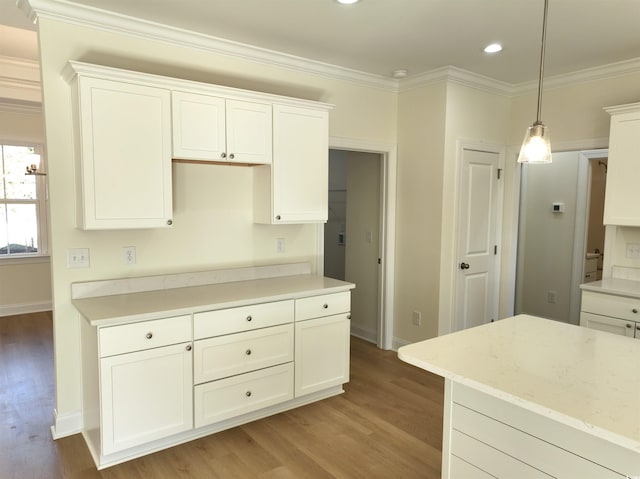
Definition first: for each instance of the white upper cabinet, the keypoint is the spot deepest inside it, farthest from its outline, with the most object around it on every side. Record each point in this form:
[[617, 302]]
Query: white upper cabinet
[[295, 188], [622, 194], [209, 128], [123, 132]]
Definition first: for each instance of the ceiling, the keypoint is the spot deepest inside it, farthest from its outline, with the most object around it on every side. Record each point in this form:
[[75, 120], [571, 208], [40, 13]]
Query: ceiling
[[380, 36]]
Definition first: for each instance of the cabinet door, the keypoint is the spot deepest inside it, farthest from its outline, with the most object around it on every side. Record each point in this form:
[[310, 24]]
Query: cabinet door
[[145, 396], [249, 132], [125, 155], [622, 193], [198, 127], [605, 323], [295, 188], [322, 353]]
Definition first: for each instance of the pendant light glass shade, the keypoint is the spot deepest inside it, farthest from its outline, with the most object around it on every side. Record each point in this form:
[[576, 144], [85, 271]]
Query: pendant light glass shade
[[536, 147]]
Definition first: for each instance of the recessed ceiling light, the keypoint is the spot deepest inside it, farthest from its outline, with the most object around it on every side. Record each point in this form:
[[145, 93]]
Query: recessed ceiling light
[[347, 2], [493, 48]]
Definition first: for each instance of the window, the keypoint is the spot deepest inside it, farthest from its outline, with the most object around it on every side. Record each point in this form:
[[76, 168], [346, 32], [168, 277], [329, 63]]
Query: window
[[22, 203]]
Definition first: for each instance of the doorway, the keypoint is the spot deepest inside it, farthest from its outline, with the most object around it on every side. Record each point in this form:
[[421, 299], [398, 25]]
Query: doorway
[[560, 203], [352, 234]]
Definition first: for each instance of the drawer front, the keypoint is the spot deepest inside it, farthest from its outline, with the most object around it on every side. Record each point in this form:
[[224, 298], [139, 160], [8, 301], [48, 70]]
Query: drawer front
[[617, 326], [131, 337], [237, 395], [323, 305], [225, 356], [610, 305], [244, 318], [462, 469]]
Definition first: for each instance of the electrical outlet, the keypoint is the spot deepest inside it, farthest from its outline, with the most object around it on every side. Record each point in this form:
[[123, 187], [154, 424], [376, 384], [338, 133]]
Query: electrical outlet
[[78, 258], [551, 297], [280, 245], [129, 254], [417, 318], [633, 250]]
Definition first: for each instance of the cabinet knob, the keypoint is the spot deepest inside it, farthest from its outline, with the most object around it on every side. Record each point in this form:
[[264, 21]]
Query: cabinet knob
[[349, 316], [232, 156], [634, 310], [248, 394], [249, 318], [248, 352], [188, 347], [629, 325], [223, 155], [325, 305], [149, 335], [278, 217], [169, 222]]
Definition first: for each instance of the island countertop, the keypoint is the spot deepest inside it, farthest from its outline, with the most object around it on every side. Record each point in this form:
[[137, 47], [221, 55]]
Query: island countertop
[[586, 379]]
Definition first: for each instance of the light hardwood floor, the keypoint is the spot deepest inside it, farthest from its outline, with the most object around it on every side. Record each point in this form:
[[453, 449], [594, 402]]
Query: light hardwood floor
[[388, 424]]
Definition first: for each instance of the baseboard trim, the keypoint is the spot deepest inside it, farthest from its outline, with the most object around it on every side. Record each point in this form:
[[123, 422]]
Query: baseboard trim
[[363, 333], [66, 424], [398, 343], [24, 308]]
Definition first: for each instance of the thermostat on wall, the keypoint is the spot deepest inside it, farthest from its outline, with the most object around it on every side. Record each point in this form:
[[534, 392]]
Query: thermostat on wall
[[557, 208]]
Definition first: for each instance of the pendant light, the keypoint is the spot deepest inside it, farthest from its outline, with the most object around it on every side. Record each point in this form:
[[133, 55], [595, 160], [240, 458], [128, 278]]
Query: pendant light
[[536, 147]]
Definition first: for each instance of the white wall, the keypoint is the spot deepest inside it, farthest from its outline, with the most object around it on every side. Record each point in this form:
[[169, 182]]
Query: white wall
[[212, 204]]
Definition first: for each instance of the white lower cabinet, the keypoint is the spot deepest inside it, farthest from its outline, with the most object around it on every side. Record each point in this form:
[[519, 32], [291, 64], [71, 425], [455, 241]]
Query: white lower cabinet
[[151, 384], [322, 343], [613, 314], [146, 395]]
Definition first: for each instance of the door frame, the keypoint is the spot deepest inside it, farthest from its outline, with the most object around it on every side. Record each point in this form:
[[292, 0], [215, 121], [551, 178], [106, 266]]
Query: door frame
[[580, 231], [388, 175], [447, 308]]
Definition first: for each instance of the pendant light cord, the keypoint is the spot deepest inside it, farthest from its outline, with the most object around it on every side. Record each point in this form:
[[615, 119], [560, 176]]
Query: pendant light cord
[[544, 39]]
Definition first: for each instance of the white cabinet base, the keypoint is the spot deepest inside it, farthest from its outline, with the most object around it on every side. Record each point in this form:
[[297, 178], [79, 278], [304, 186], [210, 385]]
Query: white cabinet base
[[102, 462]]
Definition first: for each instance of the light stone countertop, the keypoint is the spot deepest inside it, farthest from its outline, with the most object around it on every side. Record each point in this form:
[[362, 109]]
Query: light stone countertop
[[587, 379], [142, 306], [620, 287]]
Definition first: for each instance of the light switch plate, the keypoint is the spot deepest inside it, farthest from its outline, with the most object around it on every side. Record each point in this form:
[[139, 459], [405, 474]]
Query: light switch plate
[[633, 250], [78, 258]]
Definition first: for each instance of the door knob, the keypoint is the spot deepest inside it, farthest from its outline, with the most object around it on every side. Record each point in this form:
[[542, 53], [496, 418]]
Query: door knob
[[464, 265]]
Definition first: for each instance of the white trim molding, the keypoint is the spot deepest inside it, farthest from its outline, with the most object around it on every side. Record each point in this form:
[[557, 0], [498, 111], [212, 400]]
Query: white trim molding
[[66, 424], [24, 308], [87, 16]]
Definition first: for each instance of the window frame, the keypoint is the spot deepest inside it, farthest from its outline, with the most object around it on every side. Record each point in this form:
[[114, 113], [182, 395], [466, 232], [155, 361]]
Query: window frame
[[41, 202]]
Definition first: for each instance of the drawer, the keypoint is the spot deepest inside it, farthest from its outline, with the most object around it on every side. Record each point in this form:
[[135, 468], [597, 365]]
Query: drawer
[[244, 318], [225, 356], [237, 395], [610, 305], [323, 305], [126, 338]]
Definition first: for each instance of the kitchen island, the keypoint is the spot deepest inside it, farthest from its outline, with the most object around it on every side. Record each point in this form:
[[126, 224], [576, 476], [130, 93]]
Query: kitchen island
[[530, 397]]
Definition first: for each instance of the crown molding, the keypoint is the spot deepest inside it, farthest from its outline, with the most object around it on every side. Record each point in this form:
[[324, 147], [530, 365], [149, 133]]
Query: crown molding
[[457, 75], [86, 16], [19, 106], [92, 17]]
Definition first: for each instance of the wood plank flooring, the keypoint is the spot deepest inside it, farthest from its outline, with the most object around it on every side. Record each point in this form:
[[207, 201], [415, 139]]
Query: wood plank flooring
[[388, 424]]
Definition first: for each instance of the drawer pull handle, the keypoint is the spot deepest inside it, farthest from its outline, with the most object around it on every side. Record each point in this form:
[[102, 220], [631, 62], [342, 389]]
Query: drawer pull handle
[[149, 335], [188, 347], [248, 394], [248, 352], [634, 311], [249, 318], [325, 305]]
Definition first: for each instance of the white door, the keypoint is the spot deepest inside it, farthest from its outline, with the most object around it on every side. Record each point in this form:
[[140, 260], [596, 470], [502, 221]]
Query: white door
[[476, 296]]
